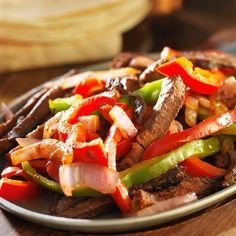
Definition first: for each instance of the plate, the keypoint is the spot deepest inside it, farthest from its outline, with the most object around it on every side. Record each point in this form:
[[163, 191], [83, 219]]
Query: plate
[[36, 211]]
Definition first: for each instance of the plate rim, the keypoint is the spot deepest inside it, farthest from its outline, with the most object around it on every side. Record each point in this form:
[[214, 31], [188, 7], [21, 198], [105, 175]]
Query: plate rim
[[107, 225]]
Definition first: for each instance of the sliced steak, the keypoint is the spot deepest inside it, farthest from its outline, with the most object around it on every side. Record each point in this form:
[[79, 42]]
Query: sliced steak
[[164, 112], [35, 117], [170, 178], [62, 203], [141, 62], [201, 186], [230, 177], [84, 209], [7, 126], [221, 160], [150, 73], [124, 85], [123, 59]]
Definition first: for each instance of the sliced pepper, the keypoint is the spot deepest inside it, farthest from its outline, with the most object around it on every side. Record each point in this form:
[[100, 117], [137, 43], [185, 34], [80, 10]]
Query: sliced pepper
[[149, 92], [89, 86], [18, 190], [92, 152], [199, 80], [123, 148], [121, 195], [88, 105], [230, 130], [198, 168], [207, 127], [61, 104], [149, 169], [53, 185]]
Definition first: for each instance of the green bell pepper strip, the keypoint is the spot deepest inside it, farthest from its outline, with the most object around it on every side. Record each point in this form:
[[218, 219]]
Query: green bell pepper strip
[[152, 168], [53, 185], [149, 92], [230, 130], [61, 104]]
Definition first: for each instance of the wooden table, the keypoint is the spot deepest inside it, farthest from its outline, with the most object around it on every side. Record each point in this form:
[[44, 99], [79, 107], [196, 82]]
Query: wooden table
[[218, 220]]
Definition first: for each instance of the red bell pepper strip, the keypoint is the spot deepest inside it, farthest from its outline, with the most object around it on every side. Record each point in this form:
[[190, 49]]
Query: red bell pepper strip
[[39, 165], [198, 168], [18, 190], [91, 104], [92, 152], [11, 171], [91, 135], [207, 127], [199, 80], [52, 168], [88, 86], [121, 195], [105, 113], [123, 148]]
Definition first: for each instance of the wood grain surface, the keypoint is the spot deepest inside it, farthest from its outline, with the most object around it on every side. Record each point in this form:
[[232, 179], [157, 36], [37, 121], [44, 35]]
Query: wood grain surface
[[218, 220]]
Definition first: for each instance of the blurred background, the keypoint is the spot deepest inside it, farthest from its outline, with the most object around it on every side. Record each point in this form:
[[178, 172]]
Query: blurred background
[[49, 33]]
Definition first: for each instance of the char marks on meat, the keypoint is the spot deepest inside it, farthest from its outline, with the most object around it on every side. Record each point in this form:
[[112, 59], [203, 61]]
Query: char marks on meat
[[20, 114], [164, 112], [170, 178], [35, 117], [124, 85], [201, 186], [83, 208]]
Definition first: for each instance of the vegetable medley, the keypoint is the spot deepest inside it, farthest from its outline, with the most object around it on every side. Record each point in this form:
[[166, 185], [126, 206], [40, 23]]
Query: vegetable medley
[[123, 133]]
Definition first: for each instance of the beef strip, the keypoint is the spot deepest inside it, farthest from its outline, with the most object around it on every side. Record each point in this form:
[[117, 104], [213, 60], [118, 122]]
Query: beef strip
[[124, 85], [123, 59], [164, 112], [150, 73], [83, 208], [7, 126], [62, 203], [171, 178], [201, 186], [141, 62], [35, 117], [230, 177]]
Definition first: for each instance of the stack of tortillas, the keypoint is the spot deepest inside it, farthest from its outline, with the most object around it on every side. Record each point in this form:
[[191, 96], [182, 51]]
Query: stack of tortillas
[[53, 32]]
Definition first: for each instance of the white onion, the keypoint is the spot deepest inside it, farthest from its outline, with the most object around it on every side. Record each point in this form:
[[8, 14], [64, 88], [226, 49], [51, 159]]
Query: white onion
[[166, 205], [123, 122], [91, 122], [23, 142], [7, 113], [88, 175]]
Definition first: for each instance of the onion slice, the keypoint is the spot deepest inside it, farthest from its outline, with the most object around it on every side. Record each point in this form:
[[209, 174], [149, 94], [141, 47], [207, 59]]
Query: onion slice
[[88, 175], [166, 205], [7, 113], [123, 122], [23, 142]]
